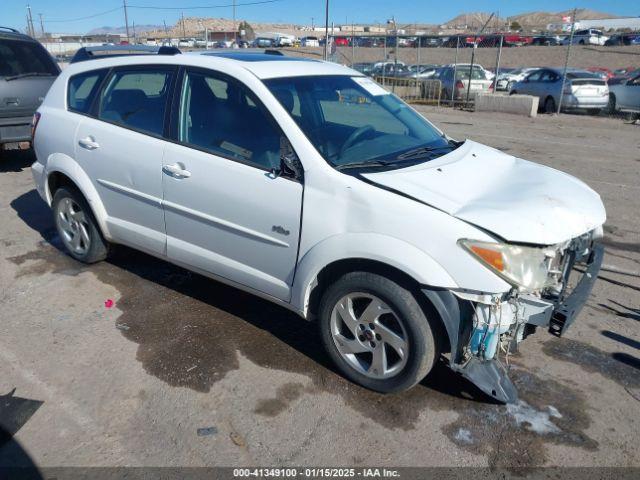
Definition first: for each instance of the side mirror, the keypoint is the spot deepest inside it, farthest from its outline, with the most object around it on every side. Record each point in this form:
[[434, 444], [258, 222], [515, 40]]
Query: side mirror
[[290, 163]]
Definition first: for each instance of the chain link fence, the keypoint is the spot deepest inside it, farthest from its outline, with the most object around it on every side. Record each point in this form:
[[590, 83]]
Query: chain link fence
[[584, 73]]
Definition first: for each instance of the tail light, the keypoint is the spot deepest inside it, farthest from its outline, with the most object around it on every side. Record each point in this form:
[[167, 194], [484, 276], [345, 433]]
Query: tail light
[[34, 125], [491, 87], [459, 84]]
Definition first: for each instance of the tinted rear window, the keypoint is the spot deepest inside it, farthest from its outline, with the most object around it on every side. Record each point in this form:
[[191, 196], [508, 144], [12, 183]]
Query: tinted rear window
[[137, 99], [82, 89], [18, 57]]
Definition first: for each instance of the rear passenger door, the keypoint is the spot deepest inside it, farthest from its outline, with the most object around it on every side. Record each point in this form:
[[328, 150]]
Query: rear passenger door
[[227, 213], [120, 146]]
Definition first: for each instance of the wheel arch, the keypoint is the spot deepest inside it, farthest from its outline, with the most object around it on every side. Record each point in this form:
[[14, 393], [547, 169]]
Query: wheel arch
[[62, 170], [376, 253]]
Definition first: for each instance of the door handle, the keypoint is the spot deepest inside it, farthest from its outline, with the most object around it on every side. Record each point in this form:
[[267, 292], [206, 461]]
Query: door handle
[[176, 170], [89, 143]]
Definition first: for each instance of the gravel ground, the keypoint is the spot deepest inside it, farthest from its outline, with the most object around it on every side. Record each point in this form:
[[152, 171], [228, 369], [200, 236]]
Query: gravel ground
[[84, 382]]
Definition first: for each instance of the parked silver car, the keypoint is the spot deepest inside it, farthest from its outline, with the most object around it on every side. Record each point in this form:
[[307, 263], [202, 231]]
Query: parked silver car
[[457, 88], [625, 96], [26, 73], [583, 90]]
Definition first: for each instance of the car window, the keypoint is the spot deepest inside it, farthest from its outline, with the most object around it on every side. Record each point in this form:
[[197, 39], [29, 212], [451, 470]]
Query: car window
[[535, 76], [18, 57], [548, 76], [137, 99], [222, 116], [635, 81], [82, 89]]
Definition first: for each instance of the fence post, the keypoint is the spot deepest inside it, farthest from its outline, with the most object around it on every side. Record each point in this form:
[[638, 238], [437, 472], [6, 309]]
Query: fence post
[[455, 73], [495, 79], [566, 60], [384, 61], [473, 56], [353, 44], [419, 83]]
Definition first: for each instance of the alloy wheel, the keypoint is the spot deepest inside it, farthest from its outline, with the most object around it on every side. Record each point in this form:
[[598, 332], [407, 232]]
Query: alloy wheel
[[73, 226], [369, 335]]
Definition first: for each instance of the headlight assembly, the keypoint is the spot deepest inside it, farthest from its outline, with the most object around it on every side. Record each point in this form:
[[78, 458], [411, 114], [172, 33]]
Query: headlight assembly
[[523, 267]]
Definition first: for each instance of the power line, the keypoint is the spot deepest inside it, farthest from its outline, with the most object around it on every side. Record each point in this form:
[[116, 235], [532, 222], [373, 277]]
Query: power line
[[202, 7], [87, 17]]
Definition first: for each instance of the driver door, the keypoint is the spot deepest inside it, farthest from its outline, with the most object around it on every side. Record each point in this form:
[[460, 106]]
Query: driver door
[[227, 212]]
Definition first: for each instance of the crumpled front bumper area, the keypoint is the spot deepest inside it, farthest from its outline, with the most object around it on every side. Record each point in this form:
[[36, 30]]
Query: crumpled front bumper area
[[477, 357]]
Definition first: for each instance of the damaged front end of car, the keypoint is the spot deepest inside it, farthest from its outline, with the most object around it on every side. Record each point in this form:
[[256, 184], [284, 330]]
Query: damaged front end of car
[[550, 287]]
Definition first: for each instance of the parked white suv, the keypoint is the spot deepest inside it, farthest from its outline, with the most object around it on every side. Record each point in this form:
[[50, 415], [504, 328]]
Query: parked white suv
[[310, 185], [589, 36]]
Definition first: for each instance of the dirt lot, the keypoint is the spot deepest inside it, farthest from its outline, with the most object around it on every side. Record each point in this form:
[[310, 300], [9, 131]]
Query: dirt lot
[[581, 56], [84, 384]]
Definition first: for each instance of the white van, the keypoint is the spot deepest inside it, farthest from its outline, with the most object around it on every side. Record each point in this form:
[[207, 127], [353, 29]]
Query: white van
[[308, 184]]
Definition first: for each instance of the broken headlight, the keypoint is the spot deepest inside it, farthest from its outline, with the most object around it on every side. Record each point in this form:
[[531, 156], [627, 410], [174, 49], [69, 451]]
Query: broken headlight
[[523, 267]]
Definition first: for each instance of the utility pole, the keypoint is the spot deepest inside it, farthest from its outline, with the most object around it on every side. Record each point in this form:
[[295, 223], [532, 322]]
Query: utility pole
[[32, 31], [235, 36], [566, 60], [184, 32], [134, 32], [326, 30], [166, 33], [126, 18], [41, 25]]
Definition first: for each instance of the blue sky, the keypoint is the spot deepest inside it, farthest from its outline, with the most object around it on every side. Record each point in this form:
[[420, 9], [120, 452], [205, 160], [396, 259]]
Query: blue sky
[[58, 13]]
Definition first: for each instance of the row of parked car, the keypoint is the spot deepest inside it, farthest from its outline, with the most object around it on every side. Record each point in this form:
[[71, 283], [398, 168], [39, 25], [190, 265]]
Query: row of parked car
[[592, 89], [589, 36]]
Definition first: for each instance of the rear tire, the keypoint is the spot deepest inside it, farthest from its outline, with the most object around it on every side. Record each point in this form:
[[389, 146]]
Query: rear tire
[[77, 227], [376, 333], [550, 105]]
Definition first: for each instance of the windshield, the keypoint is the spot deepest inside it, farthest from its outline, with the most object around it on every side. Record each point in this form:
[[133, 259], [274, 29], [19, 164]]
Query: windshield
[[18, 57], [352, 121]]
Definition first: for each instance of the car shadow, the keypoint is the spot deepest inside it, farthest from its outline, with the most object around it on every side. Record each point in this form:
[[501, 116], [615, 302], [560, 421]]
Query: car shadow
[[16, 160], [278, 322], [15, 412]]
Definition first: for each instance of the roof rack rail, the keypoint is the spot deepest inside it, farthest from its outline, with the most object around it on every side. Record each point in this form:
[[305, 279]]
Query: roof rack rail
[[9, 29], [105, 51]]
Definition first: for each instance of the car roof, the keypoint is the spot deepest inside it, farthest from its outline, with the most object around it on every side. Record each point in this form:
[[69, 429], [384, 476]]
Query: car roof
[[263, 66], [9, 33]]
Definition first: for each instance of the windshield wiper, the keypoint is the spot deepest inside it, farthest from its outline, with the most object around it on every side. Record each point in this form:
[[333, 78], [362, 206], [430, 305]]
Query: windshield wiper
[[370, 163], [28, 74], [421, 151]]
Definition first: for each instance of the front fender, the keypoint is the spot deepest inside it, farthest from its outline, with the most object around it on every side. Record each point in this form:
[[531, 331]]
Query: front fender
[[59, 162], [381, 248]]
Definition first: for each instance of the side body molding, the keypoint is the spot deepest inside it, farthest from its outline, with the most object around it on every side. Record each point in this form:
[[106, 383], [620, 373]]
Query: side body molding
[[369, 246]]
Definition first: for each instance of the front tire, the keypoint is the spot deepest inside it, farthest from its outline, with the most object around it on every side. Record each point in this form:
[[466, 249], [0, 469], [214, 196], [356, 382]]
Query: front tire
[[77, 226], [376, 333]]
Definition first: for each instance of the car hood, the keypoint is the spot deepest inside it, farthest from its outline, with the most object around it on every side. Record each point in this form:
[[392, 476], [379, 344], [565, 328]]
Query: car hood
[[517, 200]]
